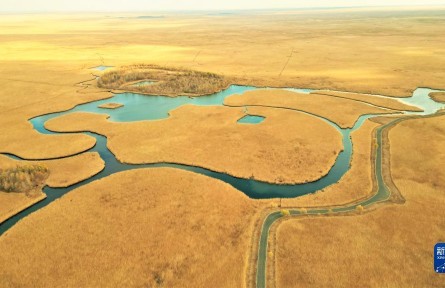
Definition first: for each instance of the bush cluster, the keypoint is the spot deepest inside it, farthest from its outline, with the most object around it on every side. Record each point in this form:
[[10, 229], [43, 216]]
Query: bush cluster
[[22, 178], [169, 81]]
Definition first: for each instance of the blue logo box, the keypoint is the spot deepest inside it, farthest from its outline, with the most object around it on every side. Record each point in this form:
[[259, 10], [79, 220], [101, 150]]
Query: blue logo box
[[439, 258]]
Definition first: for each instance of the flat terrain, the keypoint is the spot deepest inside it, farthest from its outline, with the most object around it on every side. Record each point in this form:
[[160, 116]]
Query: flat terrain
[[163, 227], [393, 104], [62, 173], [341, 111], [356, 184], [355, 246], [65, 172], [12, 203], [275, 150], [148, 227], [381, 51]]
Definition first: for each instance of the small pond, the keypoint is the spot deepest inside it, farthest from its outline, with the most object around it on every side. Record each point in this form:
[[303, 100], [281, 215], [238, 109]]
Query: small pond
[[251, 119]]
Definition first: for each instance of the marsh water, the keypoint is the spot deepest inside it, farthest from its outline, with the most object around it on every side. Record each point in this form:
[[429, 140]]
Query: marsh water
[[251, 119], [141, 107]]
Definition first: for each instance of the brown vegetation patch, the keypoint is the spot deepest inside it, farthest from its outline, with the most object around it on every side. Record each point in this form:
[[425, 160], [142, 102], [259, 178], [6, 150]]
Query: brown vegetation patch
[[163, 226], [111, 105], [169, 81], [23, 178], [65, 171], [438, 96], [287, 147], [344, 112]]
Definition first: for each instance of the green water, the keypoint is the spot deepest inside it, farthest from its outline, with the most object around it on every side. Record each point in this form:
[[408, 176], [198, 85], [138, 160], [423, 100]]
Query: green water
[[251, 119]]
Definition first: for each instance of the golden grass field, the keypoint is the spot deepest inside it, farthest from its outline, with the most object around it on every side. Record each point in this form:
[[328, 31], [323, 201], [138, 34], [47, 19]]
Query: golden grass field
[[392, 246], [341, 111], [164, 227], [275, 151], [63, 173], [358, 50], [371, 99], [356, 184], [148, 227]]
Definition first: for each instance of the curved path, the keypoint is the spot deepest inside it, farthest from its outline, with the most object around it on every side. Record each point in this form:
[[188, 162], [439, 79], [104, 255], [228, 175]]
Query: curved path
[[382, 194]]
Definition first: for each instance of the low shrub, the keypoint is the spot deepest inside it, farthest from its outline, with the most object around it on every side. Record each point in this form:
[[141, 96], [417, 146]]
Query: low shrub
[[22, 178], [284, 212], [168, 81]]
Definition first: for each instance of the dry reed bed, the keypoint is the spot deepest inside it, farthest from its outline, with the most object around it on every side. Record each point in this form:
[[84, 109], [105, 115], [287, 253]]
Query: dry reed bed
[[373, 245], [163, 226], [389, 103], [343, 112], [20, 187], [62, 173], [279, 150], [32, 89], [356, 184]]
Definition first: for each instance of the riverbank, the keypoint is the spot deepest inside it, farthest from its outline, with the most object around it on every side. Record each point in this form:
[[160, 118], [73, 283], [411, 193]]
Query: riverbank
[[284, 274], [14, 203], [275, 151]]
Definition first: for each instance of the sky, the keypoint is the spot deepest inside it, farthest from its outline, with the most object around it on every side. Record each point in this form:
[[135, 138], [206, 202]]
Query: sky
[[164, 5]]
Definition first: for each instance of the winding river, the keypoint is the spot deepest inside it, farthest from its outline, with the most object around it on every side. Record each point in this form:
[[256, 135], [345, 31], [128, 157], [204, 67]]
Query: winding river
[[140, 107]]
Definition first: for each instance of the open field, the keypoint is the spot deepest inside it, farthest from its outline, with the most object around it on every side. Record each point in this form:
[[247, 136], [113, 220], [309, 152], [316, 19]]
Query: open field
[[163, 226], [29, 90], [373, 244], [378, 51], [13, 203], [274, 151], [341, 111]]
